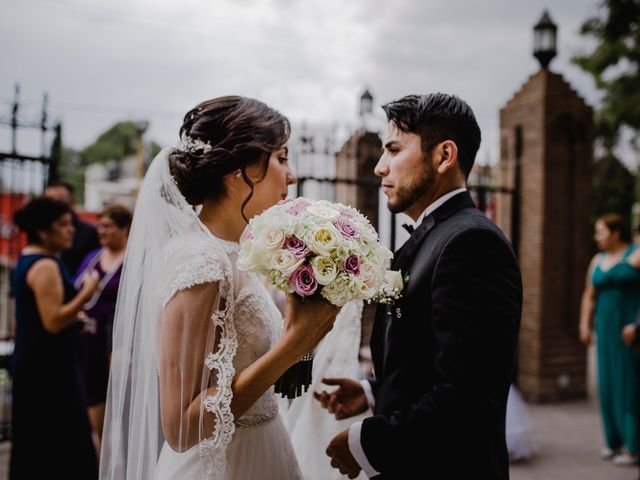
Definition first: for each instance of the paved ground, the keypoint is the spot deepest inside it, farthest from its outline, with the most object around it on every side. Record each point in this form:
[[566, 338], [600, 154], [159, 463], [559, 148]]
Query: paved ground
[[569, 438]]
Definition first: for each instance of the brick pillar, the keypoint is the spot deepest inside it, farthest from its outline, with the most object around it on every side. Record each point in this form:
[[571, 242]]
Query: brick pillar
[[356, 161], [546, 134]]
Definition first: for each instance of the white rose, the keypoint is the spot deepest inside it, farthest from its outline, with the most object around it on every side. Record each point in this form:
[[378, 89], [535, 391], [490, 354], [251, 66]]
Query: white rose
[[251, 258], [346, 248], [370, 280], [284, 262], [366, 291], [393, 279], [379, 255], [324, 269], [273, 239], [323, 211]]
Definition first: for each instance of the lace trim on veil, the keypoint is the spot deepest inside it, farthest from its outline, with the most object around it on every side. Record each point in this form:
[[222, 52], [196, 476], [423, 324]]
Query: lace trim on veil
[[204, 269], [220, 363]]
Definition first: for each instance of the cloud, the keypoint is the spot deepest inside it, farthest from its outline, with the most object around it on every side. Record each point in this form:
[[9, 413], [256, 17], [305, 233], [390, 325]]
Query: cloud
[[102, 62]]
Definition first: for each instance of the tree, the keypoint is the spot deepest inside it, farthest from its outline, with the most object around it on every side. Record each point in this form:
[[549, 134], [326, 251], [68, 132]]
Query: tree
[[613, 188], [118, 142], [614, 65], [114, 144]]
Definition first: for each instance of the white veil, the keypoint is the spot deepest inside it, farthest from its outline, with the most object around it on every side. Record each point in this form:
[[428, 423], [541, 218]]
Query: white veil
[[170, 335]]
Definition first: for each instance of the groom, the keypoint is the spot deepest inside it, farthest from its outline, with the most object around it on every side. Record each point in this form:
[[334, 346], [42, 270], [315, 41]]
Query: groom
[[443, 353]]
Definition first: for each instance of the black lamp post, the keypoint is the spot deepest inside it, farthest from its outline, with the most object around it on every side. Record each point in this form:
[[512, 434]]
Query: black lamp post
[[544, 40], [366, 103]]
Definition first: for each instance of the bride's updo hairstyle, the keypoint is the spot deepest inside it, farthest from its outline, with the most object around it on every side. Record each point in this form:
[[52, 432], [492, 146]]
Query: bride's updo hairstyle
[[227, 134]]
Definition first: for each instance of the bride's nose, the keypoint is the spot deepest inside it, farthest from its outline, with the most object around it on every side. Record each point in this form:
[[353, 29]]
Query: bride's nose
[[291, 177]]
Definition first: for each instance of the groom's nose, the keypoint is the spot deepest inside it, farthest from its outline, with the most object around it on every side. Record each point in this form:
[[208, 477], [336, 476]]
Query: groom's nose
[[382, 167]]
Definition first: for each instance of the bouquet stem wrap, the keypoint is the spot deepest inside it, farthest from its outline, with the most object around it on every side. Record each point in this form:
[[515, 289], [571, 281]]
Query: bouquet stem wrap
[[296, 380]]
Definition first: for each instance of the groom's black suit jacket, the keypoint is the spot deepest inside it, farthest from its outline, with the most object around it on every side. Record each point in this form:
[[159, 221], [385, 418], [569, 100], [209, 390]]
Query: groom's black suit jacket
[[444, 353]]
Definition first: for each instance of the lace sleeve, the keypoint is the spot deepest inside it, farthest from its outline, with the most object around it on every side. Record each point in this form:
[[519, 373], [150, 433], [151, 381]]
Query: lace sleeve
[[197, 345]]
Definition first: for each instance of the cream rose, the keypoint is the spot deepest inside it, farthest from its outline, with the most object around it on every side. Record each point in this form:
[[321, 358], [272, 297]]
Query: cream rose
[[273, 239], [284, 262], [323, 240], [324, 269]]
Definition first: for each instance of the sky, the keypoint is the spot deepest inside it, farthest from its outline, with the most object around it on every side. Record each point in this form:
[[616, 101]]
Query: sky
[[101, 62]]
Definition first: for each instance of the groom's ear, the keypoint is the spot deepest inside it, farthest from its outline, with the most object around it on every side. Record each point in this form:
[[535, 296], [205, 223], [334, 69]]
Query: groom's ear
[[446, 156]]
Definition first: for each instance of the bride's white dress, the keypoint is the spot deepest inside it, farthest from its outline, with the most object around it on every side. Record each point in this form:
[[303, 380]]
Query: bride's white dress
[[178, 278], [260, 446]]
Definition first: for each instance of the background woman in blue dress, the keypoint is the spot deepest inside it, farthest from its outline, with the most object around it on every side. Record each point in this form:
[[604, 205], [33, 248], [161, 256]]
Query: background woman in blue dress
[[51, 433]]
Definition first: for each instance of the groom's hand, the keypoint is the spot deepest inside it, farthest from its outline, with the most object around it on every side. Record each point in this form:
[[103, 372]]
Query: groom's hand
[[341, 457], [346, 401]]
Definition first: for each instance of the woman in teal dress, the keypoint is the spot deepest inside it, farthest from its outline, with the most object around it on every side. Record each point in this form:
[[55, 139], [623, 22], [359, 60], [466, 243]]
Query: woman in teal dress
[[612, 298]]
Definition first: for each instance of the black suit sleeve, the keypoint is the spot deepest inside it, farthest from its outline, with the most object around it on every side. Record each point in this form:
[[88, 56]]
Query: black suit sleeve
[[476, 295], [373, 382]]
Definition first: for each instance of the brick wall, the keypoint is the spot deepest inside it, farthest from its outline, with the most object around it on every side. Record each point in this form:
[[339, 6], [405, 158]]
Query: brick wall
[[556, 157]]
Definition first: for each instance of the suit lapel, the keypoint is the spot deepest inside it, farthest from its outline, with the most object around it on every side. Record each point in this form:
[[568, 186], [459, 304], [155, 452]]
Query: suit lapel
[[408, 251], [402, 261]]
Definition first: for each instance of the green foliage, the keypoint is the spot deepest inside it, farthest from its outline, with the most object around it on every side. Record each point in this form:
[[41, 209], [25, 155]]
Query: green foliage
[[614, 65], [71, 171], [116, 143], [153, 148], [613, 188]]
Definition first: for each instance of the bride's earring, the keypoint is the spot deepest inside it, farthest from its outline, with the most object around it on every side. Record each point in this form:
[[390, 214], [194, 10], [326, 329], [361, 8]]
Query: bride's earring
[[238, 173]]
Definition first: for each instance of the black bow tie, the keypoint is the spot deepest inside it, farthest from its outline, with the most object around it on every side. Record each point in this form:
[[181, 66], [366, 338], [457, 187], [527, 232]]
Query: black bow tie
[[408, 228]]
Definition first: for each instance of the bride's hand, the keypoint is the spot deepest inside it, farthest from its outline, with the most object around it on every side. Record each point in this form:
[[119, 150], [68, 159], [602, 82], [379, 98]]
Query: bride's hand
[[307, 322]]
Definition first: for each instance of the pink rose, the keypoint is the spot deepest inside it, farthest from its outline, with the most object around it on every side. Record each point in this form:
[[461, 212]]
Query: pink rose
[[346, 228], [346, 212], [298, 208], [296, 246], [352, 265], [303, 282]]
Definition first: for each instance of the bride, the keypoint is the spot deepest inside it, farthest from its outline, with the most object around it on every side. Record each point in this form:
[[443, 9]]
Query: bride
[[198, 344]]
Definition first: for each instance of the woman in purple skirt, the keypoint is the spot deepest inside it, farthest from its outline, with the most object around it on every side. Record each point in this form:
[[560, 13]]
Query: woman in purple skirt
[[98, 312]]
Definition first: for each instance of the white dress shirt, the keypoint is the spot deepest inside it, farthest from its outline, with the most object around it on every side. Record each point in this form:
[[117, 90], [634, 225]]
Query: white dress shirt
[[355, 445]]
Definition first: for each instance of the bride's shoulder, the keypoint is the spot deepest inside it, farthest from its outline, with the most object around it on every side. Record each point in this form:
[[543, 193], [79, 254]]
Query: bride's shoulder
[[193, 247], [191, 260]]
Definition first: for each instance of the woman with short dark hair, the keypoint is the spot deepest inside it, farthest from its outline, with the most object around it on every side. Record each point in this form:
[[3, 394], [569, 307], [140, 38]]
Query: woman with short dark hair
[[48, 401]]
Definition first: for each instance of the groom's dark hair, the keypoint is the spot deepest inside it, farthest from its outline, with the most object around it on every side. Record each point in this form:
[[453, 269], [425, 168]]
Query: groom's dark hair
[[435, 118]]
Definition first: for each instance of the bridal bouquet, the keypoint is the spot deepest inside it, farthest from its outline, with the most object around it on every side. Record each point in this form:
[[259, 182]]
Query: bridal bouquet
[[314, 249]]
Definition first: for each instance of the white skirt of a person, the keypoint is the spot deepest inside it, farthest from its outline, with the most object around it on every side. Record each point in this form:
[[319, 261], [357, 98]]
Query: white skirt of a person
[[263, 451], [520, 442]]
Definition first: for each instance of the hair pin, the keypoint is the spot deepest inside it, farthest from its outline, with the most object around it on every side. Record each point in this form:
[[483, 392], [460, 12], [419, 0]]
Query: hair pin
[[192, 145]]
